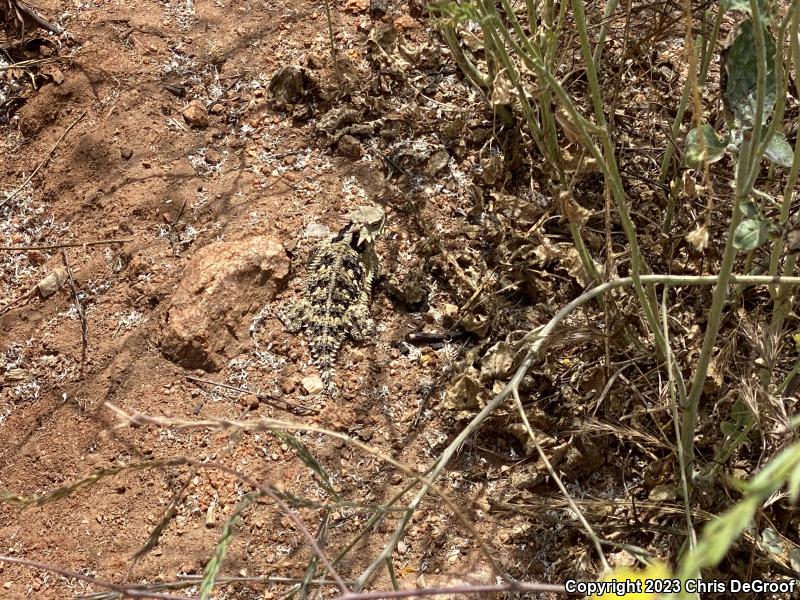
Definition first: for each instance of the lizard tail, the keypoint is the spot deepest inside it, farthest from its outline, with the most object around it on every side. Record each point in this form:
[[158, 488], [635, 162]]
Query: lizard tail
[[326, 371]]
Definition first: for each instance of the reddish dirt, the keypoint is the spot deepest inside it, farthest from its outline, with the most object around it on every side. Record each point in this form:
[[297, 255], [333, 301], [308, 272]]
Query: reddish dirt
[[132, 168]]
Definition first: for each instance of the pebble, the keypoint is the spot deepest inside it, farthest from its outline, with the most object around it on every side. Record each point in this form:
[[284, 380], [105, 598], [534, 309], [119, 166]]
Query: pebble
[[314, 61], [312, 384], [289, 386], [350, 147], [196, 114], [250, 401], [126, 153], [213, 157], [315, 229]]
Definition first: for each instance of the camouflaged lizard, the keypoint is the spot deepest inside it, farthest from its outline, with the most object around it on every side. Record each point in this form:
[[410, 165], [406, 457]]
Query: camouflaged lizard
[[338, 290]]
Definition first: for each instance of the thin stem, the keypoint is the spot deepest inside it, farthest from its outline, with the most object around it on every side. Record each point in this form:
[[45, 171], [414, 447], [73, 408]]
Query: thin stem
[[691, 535], [715, 316], [570, 502], [538, 339]]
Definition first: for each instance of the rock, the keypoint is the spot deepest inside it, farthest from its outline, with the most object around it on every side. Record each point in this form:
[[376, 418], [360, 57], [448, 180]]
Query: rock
[[314, 61], [289, 385], [250, 401], [126, 153], [316, 230], [222, 287], [52, 282], [213, 157], [350, 147], [312, 384], [195, 114], [217, 108], [378, 8]]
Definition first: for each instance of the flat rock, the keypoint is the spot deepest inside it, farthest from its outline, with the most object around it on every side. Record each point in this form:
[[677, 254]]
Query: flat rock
[[312, 384], [223, 286]]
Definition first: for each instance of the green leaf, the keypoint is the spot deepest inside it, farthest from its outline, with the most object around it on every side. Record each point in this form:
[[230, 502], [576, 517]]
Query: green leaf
[[744, 6], [741, 69], [778, 470], [460, 13], [794, 484], [719, 534], [772, 541], [714, 147], [749, 209], [779, 151], [750, 234], [221, 549], [310, 461]]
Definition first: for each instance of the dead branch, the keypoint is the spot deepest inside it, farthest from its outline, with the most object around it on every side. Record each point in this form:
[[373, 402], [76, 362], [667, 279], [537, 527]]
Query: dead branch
[[22, 13], [454, 591], [259, 395], [126, 591], [64, 245], [79, 308]]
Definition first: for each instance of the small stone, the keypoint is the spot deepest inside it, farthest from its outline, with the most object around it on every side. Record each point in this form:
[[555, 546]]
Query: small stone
[[314, 61], [289, 386], [405, 22], [402, 547], [394, 353], [217, 108], [289, 159], [316, 230], [52, 282], [213, 157], [195, 114], [312, 384], [350, 147], [250, 401], [126, 153], [378, 8]]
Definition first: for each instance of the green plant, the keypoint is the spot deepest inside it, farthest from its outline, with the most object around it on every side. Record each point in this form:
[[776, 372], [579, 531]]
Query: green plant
[[754, 96]]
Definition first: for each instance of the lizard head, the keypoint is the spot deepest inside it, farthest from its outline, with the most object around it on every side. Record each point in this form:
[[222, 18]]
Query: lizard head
[[367, 223]]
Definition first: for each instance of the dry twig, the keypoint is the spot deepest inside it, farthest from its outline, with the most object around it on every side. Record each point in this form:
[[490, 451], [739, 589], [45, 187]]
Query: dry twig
[[44, 160], [79, 309], [262, 397], [23, 10], [64, 245], [126, 591]]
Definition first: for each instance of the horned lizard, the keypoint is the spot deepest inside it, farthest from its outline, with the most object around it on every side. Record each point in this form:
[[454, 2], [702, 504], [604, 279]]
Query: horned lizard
[[338, 290]]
